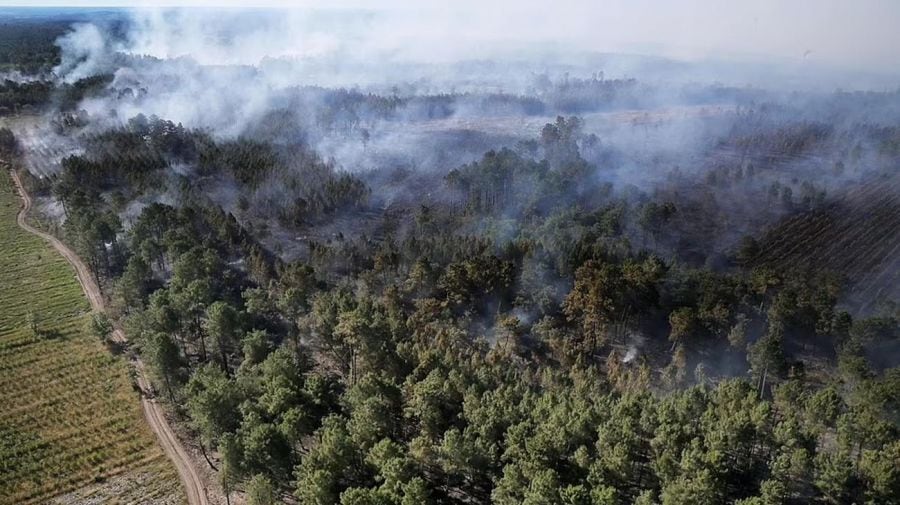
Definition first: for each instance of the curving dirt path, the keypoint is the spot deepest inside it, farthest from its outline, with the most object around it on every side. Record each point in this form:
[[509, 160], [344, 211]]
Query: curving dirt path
[[193, 484]]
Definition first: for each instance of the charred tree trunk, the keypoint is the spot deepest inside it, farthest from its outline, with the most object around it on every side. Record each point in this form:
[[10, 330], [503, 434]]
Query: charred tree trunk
[[224, 355], [169, 388], [206, 456]]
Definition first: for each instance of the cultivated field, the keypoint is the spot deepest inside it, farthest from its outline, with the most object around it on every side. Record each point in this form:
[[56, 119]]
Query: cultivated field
[[71, 427], [858, 235]]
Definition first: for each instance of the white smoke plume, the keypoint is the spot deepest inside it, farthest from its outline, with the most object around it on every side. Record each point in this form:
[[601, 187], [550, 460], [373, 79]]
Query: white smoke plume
[[84, 52], [235, 37]]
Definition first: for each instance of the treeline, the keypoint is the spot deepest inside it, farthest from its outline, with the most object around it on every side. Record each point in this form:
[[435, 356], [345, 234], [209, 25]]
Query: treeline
[[756, 135], [30, 46], [596, 93], [141, 157], [18, 97], [38, 95], [351, 111], [514, 184]]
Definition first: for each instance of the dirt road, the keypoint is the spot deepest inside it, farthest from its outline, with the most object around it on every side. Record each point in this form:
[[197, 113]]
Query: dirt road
[[193, 484]]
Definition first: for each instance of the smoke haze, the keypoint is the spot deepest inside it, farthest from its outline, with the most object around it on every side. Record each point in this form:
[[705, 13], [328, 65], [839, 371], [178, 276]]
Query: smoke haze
[[846, 45], [400, 96], [855, 36]]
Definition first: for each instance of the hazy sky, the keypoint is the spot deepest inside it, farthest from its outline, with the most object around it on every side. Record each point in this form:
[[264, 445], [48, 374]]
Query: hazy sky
[[853, 34]]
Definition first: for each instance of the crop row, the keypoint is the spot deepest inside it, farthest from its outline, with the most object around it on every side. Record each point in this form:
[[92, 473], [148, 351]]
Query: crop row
[[70, 418]]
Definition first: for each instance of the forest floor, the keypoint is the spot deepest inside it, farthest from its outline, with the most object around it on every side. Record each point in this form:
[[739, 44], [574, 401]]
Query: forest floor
[[74, 424]]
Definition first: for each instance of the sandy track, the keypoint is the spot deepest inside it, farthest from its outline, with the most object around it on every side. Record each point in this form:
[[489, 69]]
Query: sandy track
[[193, 484]]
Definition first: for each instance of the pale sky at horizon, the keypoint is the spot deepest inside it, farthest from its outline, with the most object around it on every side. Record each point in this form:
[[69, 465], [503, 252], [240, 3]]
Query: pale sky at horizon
[[859, 35]]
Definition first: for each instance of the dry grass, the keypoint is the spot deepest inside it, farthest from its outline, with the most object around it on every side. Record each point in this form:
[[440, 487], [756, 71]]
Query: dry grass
[[70, 422]]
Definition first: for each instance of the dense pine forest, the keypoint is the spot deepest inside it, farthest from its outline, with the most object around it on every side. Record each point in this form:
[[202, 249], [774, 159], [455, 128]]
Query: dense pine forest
[[571, 314]]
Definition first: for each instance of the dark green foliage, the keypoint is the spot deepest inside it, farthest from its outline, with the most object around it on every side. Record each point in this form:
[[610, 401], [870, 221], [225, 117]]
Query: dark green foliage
[[509, 183], [101, 326], [445, 362], [261, 491], [16, 98], [249, 161], [213, 400], [30, 45], [377, 386]]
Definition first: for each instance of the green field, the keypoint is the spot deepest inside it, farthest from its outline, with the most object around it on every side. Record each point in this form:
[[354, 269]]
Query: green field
[[71, 427]]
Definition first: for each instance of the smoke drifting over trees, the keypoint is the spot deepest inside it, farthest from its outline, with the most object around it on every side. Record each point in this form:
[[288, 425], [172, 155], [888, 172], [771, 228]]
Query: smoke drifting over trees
[[307, 123]]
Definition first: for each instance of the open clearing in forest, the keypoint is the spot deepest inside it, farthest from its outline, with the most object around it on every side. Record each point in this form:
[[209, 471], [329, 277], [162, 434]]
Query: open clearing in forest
[[71, 425]]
